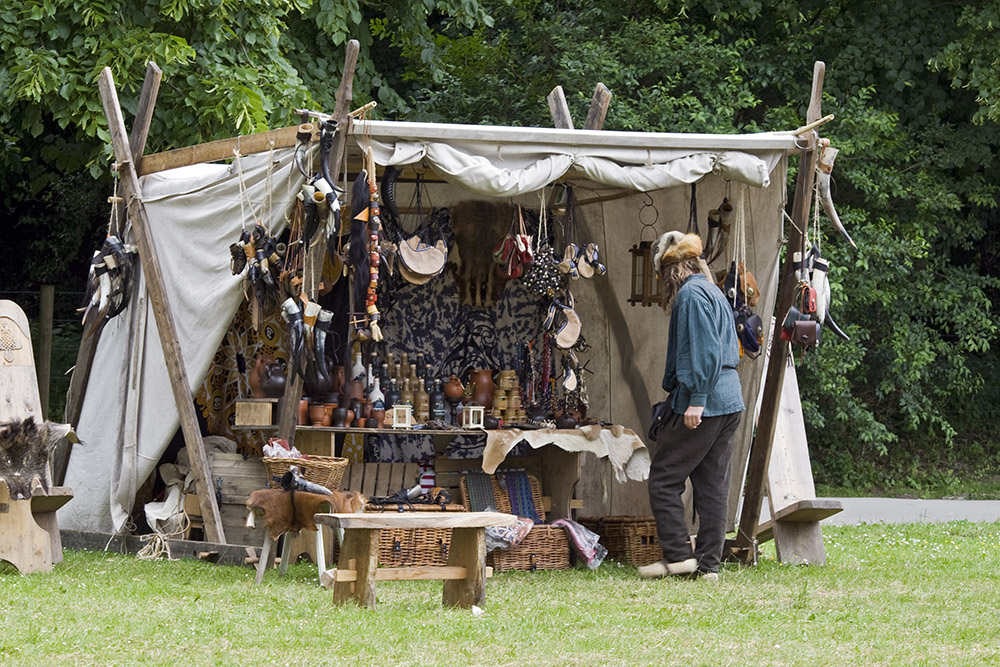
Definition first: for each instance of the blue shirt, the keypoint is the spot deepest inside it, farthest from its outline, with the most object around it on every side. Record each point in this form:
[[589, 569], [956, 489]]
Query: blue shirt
[[702, 351]]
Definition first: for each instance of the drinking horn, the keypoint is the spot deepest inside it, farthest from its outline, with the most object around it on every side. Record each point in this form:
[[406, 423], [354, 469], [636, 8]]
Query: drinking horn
[[293, 317], [826, 159]]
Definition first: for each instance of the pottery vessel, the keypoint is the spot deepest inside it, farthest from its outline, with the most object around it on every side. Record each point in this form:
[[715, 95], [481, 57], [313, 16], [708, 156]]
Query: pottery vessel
[[316, 412], [304, 412], [482, 387], [339, 417], [378, 414], [272, 381]]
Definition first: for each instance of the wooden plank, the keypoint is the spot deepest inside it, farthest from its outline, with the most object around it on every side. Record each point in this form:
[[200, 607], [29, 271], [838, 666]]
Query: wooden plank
[[23, 543], [160, 302], [559, 109], [46, 297], [91, 541], [411, 475], [382, 479], [88, 343], [598, 108], [815, 509], [370, 478], [799, 543], [415, 520], [417, 573], [359, 553], [760, 448], [467, 552], [789, 473], [18, 388], [56, 498], [357, 476], [396, 477], [220, 150]]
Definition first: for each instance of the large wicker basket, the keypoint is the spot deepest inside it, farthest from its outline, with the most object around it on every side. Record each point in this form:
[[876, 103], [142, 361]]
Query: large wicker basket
[[323, 470], [398, 547], [628, 539], [544, 548]]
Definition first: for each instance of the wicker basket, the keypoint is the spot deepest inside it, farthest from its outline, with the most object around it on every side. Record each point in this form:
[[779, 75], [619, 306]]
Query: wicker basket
[[544, 548], [398, 547], [629, 539], [323, 470]]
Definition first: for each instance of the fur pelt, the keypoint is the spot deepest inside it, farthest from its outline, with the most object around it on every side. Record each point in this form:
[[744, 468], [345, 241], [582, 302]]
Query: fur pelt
[[478, 226], [747, 284], [24, 454], [673, 247], [275, 506], [358, 245]]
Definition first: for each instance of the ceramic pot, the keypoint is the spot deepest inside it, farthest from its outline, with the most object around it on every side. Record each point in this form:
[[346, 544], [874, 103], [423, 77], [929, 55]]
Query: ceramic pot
[[272, 382], [357, 389], [371, 422], [378, 414], [316, 412], [349, 417], [491, 423], [565, 421], [453, 389], [339, 417], [256, 376], [339, 380], [482, 387], [327, 415], [304, 412]]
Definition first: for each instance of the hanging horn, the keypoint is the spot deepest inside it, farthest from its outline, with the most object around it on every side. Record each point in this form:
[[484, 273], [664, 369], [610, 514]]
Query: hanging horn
[[834, 328], [826, 159]]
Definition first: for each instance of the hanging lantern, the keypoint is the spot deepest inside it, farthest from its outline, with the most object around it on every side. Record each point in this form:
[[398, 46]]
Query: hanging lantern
[[645, 287]]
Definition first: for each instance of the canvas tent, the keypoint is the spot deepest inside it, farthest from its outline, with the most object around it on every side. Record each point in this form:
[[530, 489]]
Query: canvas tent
[[195, 212]]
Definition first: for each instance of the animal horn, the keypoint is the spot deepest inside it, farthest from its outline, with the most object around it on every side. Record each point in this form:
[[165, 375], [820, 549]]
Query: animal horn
[[826, 159], [828, 321]]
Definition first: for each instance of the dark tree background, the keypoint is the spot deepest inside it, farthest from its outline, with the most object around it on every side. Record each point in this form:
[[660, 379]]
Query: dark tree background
[[911, 402]]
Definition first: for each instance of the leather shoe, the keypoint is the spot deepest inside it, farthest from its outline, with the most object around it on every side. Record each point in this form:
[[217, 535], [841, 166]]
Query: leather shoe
[[661, 568]]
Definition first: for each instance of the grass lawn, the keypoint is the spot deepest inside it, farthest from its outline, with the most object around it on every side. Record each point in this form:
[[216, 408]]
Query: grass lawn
[[921, 594]]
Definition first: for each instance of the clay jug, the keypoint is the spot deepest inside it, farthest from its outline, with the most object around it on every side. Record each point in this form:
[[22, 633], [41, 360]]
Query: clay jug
[[438, 410], [256, 376], [406, 396], [482, 387], [272, 381], [339, 380], [375, 394], [339, 416], [304, 412], [453, 389]]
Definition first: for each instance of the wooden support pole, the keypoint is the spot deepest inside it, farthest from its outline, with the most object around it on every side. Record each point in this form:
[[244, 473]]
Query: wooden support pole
[[46, 297], [160, 301], [559, 109], [598, 108], [760, 448], [345, 93], [88, 344]]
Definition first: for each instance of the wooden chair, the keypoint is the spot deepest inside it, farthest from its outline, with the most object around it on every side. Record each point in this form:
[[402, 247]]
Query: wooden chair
[[29, 530]]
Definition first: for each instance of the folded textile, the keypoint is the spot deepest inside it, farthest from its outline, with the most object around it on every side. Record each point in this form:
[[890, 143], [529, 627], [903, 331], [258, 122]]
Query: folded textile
[[585, 542], [522, 503], [505, 537]]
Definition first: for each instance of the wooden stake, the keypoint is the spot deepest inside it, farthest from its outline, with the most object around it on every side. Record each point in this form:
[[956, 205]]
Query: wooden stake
[[559, 109], [598, 108], [161, 311], [88, 344], [760, 448], [46, 297], [345, 93]]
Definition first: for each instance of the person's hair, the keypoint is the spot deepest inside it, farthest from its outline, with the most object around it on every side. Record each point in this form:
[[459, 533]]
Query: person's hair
[[672, 276]]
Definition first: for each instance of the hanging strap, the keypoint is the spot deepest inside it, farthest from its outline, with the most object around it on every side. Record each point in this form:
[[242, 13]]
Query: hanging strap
[[693, 211]]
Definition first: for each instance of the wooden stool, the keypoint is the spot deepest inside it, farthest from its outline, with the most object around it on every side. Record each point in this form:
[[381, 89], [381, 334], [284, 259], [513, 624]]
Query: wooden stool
[[464, 575]]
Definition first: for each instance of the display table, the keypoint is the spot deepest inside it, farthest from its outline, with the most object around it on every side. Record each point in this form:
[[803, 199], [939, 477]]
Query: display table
[[357, 570]]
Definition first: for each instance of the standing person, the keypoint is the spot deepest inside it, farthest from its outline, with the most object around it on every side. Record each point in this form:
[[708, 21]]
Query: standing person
[[696, 436]]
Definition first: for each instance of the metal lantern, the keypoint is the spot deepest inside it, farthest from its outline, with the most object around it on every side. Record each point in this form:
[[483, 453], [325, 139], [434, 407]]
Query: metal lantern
[[645, 287]]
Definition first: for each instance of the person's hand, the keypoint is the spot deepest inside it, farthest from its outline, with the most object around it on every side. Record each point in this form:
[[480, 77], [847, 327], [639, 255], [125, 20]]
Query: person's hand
[[692, 416]]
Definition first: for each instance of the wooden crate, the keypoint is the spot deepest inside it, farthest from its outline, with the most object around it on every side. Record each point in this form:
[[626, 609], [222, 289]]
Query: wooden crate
[[256, 411], [628, 539], [233, 480]]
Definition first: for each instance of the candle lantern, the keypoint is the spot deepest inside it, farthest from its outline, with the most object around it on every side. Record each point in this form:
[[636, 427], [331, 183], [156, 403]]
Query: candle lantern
[[645, 287]]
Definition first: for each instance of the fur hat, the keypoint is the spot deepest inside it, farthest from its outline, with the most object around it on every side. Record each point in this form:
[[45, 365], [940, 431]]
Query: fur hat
[[674, 247]]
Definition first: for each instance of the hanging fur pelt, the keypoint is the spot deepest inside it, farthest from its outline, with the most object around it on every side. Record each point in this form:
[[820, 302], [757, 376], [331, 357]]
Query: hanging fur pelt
[[358, 249], [24, 453]]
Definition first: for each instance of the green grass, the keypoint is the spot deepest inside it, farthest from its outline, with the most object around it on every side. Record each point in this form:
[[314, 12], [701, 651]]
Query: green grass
[[921, 594]]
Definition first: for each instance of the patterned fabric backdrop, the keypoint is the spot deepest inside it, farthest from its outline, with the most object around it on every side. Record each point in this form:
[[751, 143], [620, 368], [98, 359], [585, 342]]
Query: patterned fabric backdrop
[[224, 382]]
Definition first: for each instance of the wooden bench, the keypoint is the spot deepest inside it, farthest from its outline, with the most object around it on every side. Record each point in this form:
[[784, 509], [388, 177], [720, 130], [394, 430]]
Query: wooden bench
[[464, 575]]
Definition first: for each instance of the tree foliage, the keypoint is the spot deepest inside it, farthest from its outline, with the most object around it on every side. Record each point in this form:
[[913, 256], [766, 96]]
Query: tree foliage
[[914, 87]]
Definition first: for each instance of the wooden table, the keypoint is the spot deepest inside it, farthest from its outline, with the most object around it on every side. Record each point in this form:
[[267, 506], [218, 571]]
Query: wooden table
[[464, 575]]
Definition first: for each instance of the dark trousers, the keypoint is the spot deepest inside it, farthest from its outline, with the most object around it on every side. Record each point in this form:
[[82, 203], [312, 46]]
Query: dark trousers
[[703, 455]]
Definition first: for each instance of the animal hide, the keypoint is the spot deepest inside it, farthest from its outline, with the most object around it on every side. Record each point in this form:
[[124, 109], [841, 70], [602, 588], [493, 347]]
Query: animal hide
[[478, 226], [746, 279], [24, 454], [276, 507]]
